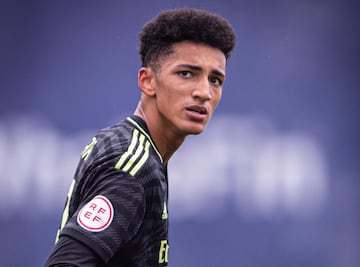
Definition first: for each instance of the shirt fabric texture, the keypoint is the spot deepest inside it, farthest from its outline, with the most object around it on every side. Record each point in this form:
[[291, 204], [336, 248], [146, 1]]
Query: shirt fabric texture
[[122, 170]]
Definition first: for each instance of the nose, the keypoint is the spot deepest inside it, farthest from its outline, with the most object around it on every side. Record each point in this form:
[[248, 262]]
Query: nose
[[202, 89]]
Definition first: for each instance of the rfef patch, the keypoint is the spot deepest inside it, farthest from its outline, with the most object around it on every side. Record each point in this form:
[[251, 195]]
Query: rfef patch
[[96, 215]]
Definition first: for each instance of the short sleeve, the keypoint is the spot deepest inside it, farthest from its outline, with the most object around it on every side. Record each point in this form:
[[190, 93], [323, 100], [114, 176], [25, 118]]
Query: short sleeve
[[110, 214]]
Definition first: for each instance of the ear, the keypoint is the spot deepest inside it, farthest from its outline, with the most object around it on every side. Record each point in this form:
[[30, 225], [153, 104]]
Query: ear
[[146, 81]]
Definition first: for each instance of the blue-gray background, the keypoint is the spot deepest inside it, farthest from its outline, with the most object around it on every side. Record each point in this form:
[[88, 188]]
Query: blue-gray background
[[274, 181]]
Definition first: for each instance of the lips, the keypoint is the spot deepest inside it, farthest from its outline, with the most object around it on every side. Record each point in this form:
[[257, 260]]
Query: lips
[[198, 109]]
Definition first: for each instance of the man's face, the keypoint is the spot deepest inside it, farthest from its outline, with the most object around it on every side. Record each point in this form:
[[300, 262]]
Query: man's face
[[189, 87]]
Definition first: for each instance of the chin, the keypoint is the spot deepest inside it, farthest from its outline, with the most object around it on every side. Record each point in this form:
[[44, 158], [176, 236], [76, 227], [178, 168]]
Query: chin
[[195, 130]]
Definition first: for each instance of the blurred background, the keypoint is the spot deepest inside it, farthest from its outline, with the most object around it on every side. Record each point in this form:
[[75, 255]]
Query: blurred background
[[274, 179]]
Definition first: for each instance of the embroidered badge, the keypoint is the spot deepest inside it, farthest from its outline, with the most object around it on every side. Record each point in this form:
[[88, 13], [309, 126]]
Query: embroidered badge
[[96, 215]]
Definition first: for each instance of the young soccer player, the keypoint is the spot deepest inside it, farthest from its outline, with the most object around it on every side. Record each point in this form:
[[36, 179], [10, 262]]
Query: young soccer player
[[116, 209]]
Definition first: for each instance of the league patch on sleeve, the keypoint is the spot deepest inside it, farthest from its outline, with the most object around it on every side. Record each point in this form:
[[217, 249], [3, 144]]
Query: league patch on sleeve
[[96, 215]]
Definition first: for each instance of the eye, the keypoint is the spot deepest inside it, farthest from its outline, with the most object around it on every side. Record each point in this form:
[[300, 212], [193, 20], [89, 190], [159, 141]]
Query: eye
[[216, 81], [185, 73]]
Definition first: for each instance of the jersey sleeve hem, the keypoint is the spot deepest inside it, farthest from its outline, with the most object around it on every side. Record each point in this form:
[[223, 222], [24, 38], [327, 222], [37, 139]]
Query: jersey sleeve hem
[[103, 252]]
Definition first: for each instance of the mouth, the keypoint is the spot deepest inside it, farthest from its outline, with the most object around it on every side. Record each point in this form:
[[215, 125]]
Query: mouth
[[198, 109]]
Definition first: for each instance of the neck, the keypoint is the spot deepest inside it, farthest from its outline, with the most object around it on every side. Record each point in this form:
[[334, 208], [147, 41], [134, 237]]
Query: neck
[[165, 140]]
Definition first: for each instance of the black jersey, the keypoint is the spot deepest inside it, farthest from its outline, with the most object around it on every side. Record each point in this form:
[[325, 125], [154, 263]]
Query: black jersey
[[117, 203]]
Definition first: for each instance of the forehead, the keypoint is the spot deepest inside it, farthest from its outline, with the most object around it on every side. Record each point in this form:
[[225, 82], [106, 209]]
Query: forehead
[[198, 54]]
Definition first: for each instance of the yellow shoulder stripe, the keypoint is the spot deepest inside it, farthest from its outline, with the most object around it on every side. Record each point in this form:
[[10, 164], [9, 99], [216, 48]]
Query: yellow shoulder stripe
[[148, 137], [136, 155], [88, 149]]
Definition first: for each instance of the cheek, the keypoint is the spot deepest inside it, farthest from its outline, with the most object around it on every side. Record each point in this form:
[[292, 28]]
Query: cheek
[[215, 100], [171, 95], [168, 99]]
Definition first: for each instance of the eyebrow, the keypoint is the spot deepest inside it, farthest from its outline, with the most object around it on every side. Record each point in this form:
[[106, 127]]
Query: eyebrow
[[198, 68]]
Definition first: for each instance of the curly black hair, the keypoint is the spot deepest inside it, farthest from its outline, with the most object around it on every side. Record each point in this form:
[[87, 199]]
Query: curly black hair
[[183, 24]]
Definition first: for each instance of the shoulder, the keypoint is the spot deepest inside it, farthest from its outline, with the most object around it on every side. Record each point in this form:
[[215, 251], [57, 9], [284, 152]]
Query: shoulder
[[141, 156], [107, 143], [125, 148]]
